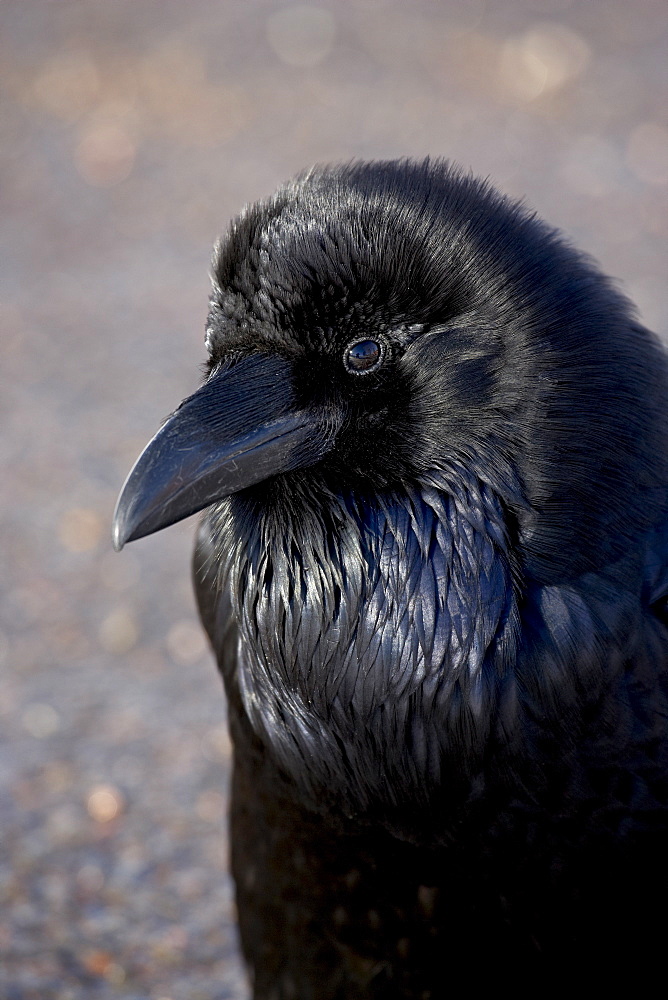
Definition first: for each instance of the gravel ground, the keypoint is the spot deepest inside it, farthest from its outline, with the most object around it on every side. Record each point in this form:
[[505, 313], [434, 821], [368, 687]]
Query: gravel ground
[[130, 133]]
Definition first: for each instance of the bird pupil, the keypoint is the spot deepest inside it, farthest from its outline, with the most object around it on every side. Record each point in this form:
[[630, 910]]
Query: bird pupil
[[364, 355]]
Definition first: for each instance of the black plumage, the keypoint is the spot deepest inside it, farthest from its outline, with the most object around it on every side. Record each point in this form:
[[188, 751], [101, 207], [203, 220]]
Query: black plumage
[[432, 445]]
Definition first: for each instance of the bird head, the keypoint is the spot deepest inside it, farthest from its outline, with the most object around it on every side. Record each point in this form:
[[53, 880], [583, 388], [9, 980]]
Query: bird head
[[377, 321]]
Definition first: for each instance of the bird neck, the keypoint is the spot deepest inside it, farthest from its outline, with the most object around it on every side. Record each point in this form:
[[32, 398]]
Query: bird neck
[[374, 632]]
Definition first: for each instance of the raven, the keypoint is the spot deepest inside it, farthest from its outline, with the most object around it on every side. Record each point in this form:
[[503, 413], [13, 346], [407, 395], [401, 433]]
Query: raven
[[432, 449]]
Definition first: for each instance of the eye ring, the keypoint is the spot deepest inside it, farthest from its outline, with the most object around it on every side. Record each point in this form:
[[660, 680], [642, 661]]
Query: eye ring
[[368, 356]]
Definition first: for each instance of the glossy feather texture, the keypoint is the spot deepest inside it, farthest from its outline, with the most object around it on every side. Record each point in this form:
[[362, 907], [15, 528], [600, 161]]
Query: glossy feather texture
[[444, 644]]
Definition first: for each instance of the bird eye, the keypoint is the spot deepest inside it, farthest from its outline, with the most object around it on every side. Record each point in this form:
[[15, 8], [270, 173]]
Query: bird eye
[[363, 357]]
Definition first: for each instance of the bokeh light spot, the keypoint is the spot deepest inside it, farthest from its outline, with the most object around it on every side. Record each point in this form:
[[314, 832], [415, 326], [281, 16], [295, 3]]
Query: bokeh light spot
[[301, 35], [105, 154], [40, 720], [211, 806], [186, 642], [80, 529], [118, 632], [540, 61], [104, 803], [67, 85]]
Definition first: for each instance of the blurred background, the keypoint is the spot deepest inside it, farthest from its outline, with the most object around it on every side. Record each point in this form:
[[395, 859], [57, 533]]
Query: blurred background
[[130, 134]]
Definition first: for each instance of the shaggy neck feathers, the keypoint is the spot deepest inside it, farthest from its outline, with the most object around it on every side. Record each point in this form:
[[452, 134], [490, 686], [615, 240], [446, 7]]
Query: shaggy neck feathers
[[373, 635]]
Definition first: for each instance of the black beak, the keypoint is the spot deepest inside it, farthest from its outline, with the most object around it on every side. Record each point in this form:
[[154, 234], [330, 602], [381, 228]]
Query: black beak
[[241, 427]]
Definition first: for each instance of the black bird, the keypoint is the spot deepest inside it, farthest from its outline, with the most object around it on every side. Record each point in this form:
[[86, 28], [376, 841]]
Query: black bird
[[432, 445]]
